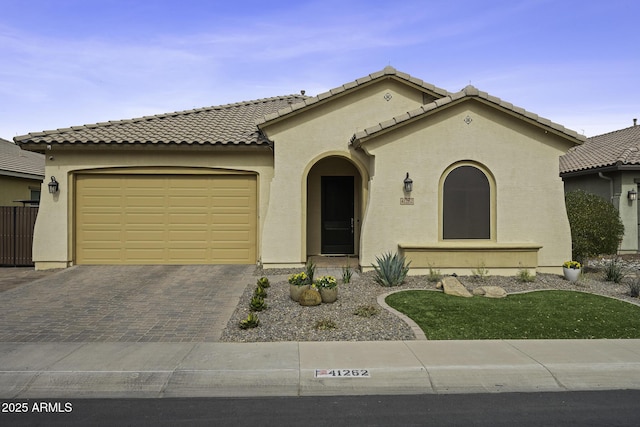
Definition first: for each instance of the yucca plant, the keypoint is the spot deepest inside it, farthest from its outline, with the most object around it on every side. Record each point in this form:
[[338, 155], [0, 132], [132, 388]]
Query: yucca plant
[[391, 269], [257, 304], [310, 270], [251, 321], [613, 271], [263, 282]]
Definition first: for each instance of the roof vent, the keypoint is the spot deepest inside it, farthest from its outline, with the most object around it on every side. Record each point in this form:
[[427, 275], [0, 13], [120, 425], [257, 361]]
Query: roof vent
[[635, 122], [302, 92]]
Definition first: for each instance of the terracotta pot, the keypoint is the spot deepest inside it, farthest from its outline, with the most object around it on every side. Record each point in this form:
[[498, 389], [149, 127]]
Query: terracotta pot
[[571, 274], [329, 295], [295, 291]]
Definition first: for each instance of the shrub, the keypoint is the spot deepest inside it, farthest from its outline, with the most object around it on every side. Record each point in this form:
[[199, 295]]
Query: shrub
[[251, 321], [634, 288], [263, 282], [525, 277], [260, 292], [366, 311], [596, 228], [434, 275], [391, 269], [613, 271], [325, 325], [257, 304], [480, 273]]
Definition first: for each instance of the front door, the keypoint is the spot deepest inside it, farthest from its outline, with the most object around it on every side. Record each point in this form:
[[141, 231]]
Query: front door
[[337, 215]]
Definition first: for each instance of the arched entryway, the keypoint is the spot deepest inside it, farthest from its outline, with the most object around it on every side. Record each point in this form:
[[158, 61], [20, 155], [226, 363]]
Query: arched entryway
[[334, 207]]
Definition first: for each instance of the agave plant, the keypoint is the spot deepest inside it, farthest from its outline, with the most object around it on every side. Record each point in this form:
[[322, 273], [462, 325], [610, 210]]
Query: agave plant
[[251, 321], [260, 292], [391, 269], [257, 304], [263, 282]]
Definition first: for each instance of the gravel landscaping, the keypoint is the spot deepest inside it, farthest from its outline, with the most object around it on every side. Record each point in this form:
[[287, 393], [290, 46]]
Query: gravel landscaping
[[286, 320]]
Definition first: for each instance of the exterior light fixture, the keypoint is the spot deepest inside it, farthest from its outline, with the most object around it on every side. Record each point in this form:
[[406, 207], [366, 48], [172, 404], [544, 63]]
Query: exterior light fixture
[[408, 184], [53, 185], [632, 195]]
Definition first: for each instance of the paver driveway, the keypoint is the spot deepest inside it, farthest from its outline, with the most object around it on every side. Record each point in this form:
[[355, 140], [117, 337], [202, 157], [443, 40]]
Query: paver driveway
[[124, 303]]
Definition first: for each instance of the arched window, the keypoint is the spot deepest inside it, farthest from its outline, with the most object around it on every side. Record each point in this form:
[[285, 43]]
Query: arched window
[[466, 204]]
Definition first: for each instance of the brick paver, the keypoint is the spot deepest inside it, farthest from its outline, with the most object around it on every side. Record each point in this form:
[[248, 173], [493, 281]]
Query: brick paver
[[124, 303]]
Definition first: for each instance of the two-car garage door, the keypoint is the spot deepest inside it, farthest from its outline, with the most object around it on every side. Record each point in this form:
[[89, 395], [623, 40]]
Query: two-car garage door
[[165, 219]]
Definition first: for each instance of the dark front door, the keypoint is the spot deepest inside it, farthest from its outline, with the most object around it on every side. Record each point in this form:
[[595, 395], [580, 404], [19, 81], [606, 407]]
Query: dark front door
[[337, 215]]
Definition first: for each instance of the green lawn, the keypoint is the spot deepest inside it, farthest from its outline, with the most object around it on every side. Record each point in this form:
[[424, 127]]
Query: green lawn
[[533, 315]]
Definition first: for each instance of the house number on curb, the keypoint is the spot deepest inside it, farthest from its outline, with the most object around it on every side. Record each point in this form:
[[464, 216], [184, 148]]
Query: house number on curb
[[342, 373], [406, 201]]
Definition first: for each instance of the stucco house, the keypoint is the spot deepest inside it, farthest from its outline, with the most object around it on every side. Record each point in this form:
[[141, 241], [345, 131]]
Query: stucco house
[[608, 166], [274, 181], [21, 173]]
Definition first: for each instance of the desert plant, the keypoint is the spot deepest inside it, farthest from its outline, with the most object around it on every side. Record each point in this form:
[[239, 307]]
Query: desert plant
[[310, 270], [299, 279], [613, 271], [434, 275], [391, 269], [524, 276], [480, 273], [634, 288], [366, 311], [596, 228], [251, 321], [263, 282], [327, 282], [260, 292], [325, 325], [347, 272], [257, 304]]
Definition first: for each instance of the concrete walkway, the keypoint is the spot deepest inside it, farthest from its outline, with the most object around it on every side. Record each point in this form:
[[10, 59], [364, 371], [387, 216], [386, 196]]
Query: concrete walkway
[[120, 369]]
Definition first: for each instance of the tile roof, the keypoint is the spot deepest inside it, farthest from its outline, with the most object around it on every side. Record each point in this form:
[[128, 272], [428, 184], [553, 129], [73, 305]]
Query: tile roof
[[20, 163], [230, 124], [621, 147], [469, 92], [387, 72]]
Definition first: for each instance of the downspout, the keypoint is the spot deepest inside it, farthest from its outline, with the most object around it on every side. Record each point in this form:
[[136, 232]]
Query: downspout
[[601, 175]]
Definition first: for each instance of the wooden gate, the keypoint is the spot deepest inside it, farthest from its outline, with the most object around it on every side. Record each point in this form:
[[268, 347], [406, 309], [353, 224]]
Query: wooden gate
[[16, 235]]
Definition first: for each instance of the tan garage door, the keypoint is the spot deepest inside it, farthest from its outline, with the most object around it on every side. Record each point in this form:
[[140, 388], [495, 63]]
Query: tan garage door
[[166, 219]]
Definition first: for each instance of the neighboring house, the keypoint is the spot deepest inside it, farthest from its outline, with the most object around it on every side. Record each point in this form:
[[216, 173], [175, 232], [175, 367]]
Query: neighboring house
[[276, 180], [21, 174], [608, 166]]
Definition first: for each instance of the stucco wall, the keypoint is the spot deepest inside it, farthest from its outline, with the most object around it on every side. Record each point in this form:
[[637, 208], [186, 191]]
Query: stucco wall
[[16, 189], [53, 240]]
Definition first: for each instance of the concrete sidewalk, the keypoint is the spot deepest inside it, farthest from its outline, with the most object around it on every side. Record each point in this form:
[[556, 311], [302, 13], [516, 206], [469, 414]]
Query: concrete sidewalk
[[151, 370]]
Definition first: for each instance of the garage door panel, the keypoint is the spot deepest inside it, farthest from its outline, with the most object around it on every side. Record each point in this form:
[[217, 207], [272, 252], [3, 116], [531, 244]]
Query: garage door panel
[[165, 219]]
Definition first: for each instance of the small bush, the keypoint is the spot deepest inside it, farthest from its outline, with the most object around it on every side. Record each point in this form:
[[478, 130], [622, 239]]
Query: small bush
[[596, 228], [366, 311], [634, 288], [480, 273], [391, 269], [257, 304], [613, 271], [263, 282], [434, 275], [325, 325], [251, 321], [260, 292], [525, 277]]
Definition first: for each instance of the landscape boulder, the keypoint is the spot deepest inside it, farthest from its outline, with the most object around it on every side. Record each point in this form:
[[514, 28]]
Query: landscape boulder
[[490, 291], [310, 297], [452, 286]]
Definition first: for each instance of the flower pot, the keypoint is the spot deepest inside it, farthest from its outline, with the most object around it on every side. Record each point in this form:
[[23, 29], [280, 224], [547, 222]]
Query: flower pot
[[295, 291], [571, 274], [329, 294]]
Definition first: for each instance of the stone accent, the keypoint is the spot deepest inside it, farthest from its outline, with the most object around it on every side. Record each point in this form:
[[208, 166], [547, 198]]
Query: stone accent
[[310, 297], [452, 286], [490, 292]]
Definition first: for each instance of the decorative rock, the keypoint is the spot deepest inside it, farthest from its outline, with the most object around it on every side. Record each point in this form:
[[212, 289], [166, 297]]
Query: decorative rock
[[490, 291], [452, 286], [310, 297]]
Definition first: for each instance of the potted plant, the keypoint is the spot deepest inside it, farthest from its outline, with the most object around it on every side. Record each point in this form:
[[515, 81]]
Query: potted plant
[[297, 284], [571, 270], [328, 288]]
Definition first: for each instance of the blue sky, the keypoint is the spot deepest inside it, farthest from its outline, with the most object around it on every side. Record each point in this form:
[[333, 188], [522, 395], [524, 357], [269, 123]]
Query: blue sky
[[66, 62]]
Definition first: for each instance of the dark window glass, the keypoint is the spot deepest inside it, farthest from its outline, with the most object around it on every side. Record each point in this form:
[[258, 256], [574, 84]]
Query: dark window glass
[[466, 205]]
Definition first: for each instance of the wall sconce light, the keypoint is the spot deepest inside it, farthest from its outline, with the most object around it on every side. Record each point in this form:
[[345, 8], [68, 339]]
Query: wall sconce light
[[408, 184], [632, 195], [53, 185]]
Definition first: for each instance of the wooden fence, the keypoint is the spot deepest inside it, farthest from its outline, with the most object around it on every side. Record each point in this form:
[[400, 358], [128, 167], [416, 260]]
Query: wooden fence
[[16, 235]]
